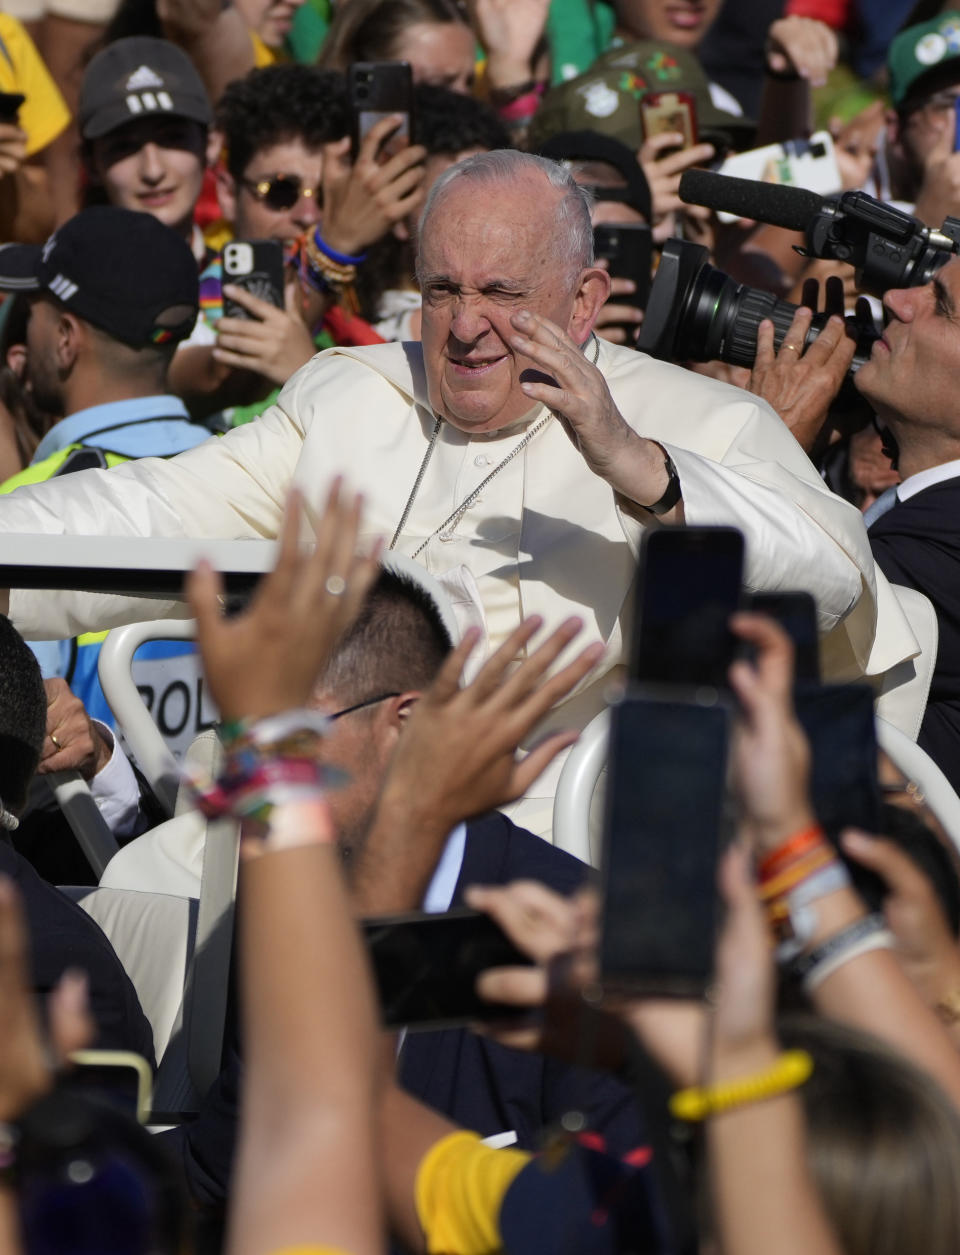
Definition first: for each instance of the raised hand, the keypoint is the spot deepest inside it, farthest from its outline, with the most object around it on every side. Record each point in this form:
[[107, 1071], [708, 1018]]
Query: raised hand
[[364, 199], [267, 659], [803, 46], [458, 754], [274, 342], [510, 32]]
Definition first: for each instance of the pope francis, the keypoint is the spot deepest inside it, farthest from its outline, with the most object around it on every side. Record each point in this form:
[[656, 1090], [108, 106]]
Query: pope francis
[[513, 454]]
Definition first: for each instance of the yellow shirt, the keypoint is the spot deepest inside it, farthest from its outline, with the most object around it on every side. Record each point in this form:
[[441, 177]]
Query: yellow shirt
[[44, 114]]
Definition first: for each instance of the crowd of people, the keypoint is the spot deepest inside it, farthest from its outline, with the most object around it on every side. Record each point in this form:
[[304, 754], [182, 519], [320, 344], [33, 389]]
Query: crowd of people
[[408, 346]]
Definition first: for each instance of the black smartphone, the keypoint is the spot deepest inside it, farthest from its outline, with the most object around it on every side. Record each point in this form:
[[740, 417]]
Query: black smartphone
[[796, 612], [666, 823], [380, 89], [839, 722], [628, 251], [425, 967], [688, 586], [257, 267], [120, 1078], [10, 103]]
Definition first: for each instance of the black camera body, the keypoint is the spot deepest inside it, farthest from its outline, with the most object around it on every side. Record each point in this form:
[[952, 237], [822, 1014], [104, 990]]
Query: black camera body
[[697, 313]]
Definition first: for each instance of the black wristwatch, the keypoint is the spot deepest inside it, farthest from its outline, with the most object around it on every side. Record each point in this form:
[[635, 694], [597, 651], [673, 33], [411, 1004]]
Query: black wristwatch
[[672, 493]]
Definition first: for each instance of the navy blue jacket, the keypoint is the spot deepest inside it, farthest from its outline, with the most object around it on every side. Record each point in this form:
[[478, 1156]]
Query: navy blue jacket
[[477, 1083]]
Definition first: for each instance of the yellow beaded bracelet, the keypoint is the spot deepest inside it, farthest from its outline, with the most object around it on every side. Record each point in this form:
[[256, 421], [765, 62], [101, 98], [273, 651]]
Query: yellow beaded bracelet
[[697, 1103]]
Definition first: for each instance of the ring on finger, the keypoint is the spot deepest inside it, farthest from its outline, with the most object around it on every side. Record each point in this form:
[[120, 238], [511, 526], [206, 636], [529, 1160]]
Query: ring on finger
[[794, 347], [53, 738], [335, 585]]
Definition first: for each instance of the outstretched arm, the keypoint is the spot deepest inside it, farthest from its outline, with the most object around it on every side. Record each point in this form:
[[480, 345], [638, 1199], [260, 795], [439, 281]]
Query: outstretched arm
[[306, 1166]]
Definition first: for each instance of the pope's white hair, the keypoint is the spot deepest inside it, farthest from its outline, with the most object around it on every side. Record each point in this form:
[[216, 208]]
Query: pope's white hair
[[573, 242]]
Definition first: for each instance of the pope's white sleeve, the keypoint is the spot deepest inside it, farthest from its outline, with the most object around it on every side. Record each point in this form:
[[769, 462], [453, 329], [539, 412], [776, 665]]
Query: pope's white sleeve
[[231, 487]]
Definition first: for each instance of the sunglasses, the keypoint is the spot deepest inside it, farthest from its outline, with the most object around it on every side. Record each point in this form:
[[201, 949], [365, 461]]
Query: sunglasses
[[282, 191]]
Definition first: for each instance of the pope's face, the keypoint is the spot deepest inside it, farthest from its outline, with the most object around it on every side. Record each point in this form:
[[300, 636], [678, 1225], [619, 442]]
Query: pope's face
[[485, 254]]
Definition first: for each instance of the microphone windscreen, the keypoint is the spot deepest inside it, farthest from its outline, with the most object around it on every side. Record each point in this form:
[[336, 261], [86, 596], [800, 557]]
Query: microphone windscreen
[[790, 207]]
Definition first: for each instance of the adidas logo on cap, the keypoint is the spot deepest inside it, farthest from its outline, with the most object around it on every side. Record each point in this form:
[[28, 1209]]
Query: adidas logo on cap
[[143, 79]]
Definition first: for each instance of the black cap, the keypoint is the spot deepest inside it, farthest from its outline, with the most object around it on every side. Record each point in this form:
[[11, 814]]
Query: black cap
[[138, 78], [592, 146], [123, 272]]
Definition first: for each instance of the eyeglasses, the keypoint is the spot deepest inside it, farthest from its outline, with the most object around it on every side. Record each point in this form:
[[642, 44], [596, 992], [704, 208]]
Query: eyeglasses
[[282, 191], [370, 701]]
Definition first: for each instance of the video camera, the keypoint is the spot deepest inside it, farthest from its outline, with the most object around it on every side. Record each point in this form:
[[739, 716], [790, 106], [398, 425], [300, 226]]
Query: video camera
[[697, 313]]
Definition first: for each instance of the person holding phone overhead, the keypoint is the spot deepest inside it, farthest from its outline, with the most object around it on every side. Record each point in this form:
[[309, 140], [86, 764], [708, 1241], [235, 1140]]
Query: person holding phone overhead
[[513, 454]]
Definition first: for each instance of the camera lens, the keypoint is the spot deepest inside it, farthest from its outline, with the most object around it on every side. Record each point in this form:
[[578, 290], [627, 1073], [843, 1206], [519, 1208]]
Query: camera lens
[[700, 314]]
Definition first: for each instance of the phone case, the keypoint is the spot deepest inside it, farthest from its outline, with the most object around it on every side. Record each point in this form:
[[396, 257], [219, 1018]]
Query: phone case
[[379, 89], [809, 163], [257, 267], [662, 112]]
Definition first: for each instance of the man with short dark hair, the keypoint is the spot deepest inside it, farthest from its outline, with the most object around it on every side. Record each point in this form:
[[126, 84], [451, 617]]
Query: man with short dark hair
[[377, 674], [112, 294]]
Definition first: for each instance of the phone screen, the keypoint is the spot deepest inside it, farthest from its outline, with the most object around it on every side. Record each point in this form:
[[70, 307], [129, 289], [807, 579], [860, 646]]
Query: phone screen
[[628, 251], [426, 966], [665, 824], [688, 586], [796, 612], [839, 722]]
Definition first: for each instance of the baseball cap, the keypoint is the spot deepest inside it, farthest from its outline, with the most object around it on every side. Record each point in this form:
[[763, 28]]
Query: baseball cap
[[924, 58], [606, 98], [136, 78], [592, 146], [121, 271]]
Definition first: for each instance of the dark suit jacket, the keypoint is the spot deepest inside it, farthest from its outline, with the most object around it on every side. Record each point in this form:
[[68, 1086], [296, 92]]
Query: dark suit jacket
[[62, 935], [917, 543], [477, 1083]]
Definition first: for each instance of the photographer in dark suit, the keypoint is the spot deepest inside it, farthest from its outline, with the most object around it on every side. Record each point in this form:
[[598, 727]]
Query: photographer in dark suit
[[914, 528]]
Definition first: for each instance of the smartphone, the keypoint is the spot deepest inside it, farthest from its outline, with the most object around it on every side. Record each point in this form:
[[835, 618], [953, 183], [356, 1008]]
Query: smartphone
[[666, 823], [10, 103], [257, 267], [688, 586], [628, 251], [662, 112], [425, 967], [839, 722], [380, 89], [796, 613], [119, 1078], [808, 163]]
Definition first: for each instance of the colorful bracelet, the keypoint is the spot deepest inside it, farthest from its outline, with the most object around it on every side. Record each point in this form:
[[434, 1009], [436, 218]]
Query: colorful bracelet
[[797, 873], [344, 259], [791, 1069], [784, 854]]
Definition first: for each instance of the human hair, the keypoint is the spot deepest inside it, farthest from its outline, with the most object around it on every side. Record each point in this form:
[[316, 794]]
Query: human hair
[[370, 30], [883, 1143], [450, 122], [447, 123], [397, 644], [922, 845], [23, 716], [278, 103], [121, 361], [574, 242]]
